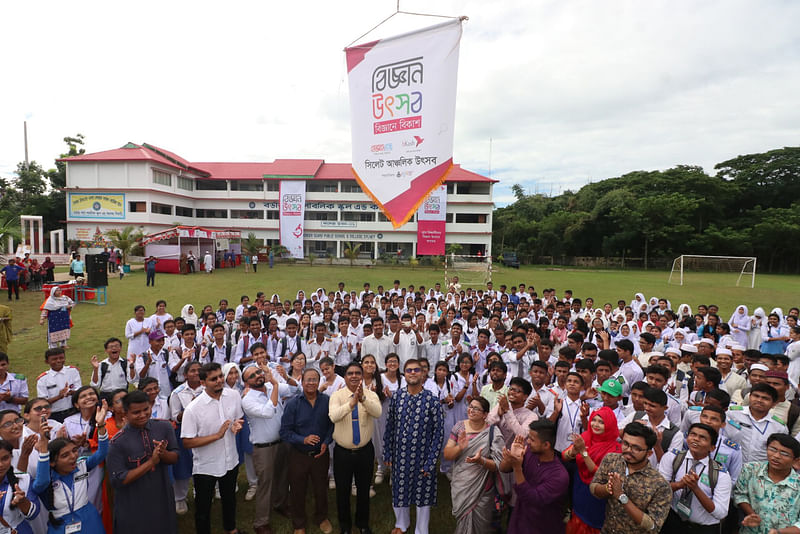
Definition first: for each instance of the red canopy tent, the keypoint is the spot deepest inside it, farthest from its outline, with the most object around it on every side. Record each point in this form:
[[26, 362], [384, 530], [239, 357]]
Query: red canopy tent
[[169, 245]]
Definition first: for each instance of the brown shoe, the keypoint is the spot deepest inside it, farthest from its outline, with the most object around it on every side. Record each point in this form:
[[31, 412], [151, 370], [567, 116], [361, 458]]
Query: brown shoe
[[326, 527]]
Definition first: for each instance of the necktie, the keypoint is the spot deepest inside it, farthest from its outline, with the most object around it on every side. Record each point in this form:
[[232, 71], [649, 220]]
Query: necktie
[[356, 429]]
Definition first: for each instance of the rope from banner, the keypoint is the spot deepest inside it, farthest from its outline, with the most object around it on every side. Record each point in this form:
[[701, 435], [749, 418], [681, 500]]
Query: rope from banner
[[398, 11]]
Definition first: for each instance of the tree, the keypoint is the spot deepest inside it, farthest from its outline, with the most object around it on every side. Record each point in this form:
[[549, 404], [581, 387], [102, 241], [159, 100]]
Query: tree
[[351, 251], [9, 227], [125, 240], [251, 244]]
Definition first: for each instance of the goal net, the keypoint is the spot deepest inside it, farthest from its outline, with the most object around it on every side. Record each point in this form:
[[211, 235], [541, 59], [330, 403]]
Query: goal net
[[743, 268], [471, 271]]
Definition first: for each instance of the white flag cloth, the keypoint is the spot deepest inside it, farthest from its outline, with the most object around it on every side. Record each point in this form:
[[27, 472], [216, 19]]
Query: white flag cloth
[[402, 107], [293, 205]]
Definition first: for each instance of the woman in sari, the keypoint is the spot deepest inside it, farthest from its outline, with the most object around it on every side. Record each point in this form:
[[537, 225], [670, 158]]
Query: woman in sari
[[476, 449], [588, 449], [56, 310], [49, 268]]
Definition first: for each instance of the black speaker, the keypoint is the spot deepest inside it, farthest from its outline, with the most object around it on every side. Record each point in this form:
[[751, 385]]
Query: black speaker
[[96, 270]]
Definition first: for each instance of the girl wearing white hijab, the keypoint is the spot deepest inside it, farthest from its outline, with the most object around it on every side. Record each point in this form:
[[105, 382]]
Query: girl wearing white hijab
[[637, 300], [758, 320], [684, 310], [653, 304], [187, 312], [740, 325]]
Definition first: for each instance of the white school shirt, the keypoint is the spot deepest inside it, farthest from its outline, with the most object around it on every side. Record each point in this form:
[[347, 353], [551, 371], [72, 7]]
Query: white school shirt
[[49, 383], [721, 494], [204, 417], [17, 386], [340, 353], [406, 347], [115, 377], [156, 322], [378, 348], [159, 369], [569, 423], [181, 397], [338, 383], [137, 343], [315, 351]]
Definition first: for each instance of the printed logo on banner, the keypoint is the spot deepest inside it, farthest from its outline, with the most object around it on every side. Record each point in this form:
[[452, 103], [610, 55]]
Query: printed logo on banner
[[402, 105], [291, 204]]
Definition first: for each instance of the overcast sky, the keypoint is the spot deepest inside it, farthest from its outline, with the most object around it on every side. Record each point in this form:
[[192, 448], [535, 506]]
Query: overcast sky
[[569, 91]]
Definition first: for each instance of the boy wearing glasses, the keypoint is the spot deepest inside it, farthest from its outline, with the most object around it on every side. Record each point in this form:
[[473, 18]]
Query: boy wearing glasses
[[638, 496], [767, 492]]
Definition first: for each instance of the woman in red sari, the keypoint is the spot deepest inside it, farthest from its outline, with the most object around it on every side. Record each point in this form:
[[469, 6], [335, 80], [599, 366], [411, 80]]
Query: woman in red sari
[[588, 450]]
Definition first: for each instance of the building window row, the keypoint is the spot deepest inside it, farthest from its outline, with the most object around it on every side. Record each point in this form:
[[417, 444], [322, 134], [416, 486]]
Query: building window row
[[162, 178]]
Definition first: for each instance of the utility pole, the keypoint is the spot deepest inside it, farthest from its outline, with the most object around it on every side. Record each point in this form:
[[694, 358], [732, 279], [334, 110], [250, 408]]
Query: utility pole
[[25, 128]]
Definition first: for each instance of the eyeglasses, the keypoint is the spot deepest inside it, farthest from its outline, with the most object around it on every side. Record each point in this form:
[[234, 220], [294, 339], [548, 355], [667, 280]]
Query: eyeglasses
[[40, 408], [475, 408], [514, 390], [784, 454], [414, 370], [634, 448], [9, 424]]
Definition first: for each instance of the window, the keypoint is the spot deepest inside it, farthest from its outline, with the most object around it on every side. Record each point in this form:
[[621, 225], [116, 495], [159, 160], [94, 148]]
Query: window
[[211, 185], [185, 183], [351, 187], [320, 216], [322, 186], [180, 211], [382, 217], [358, 216], [161, 209], [273, 214], [162, 178], [477, 218], [448, 217], [211, 214], [247, 185], [139, 207], [247, 214], [449, 189], [273, 185], [472, 189]]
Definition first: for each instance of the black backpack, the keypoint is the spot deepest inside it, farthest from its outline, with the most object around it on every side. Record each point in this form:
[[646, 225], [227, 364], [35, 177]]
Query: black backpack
[[666, 436], [104, 367], [713, 469]]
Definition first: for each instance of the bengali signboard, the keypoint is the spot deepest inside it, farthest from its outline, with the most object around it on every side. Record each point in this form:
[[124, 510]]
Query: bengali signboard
[[96, 205], [402, 108], [431, 223], [292, 210]]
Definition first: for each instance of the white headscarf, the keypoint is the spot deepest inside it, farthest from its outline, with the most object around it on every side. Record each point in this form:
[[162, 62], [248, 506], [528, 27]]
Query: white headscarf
[[759, 317], [189, 318], [779, 311], [684, 310], [653, 303], [54, 303], [740, 320], [226, 369], [637, 298]]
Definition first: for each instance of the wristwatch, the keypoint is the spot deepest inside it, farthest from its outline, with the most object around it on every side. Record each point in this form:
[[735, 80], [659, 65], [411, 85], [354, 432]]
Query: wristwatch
[[623, 499], [585, 454]]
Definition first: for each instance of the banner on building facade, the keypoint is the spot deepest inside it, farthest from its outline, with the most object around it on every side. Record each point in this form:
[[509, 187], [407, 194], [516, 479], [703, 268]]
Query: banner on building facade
[[431, 223], [96, 205], [292, 212], [402, 108]]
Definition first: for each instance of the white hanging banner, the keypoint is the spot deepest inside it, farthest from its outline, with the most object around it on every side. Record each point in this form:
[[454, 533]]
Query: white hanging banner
[[431, 223], [402, 108], [292, 206]]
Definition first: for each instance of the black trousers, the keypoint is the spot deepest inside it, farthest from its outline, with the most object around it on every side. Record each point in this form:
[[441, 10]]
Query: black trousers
[[346, 464], [13, 285], [675, 525], [204, 493]]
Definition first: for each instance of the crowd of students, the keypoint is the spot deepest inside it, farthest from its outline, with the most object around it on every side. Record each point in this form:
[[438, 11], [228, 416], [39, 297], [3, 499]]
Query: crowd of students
[[542, 414]]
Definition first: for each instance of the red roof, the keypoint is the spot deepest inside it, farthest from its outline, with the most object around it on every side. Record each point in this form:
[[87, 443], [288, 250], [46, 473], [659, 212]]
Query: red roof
[[317, 169]]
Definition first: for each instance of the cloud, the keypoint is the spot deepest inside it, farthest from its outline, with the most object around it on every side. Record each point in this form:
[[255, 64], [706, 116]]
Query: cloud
[[568, 92]]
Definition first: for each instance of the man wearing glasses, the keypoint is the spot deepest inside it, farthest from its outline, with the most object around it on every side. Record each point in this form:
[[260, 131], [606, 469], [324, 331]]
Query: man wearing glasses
[[353, 411], [411, 446], [769, 492], [638, 496], [264, 409]]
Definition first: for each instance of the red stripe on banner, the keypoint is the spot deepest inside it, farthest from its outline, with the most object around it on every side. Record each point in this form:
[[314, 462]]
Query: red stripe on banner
[[430, 238], [355, 55], [403, 206]]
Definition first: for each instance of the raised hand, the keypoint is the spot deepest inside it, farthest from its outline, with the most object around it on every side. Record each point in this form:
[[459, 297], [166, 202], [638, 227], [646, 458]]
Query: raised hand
[[224, 428], [502, 402], [518, 448], [557, 404], [237, 425], [102, 411], [462, 440], [18, 497], [28, 444], [95, 361], [160, 447]]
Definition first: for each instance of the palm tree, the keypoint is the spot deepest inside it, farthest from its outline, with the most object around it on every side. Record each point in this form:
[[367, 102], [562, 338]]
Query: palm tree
[[252, 245], [9, 227], [125, 240], [351, 251]]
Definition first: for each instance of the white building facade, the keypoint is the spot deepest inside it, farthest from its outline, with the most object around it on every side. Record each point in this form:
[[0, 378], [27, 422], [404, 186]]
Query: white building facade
[[154, 189]]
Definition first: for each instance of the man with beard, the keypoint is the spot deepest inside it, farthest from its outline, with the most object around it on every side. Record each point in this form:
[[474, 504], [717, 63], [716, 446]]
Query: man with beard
[[264, 409], [411, 446], [638, 496]]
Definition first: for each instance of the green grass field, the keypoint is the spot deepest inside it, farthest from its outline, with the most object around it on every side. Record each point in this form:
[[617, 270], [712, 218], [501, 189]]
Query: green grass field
[[93, 324]]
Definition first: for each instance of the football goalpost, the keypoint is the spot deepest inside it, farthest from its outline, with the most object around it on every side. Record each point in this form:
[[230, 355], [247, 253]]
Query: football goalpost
[[744, 265], [472, 271]]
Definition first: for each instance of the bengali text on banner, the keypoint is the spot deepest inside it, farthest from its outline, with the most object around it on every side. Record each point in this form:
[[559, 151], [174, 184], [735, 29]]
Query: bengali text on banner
[[431, 223], [402, 107], [292, 212]]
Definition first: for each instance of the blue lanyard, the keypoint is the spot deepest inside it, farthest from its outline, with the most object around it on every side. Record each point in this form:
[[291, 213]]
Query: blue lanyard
[[66, 497], [766, 425], [572, 418]]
